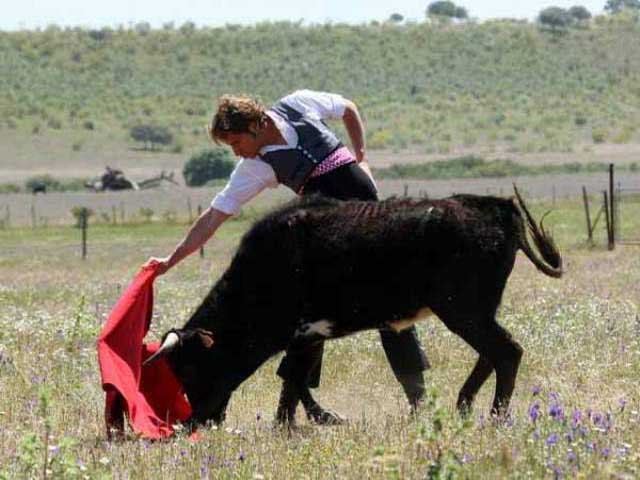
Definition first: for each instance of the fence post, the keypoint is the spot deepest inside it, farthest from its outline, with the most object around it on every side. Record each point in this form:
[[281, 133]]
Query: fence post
[[83, 226], [585, 199], [610, 244], [406, 190], [33, 215], [612, 208], [202, 246]]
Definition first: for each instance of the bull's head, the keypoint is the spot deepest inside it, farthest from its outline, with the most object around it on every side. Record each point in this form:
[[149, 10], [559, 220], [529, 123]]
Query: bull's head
[[208, 372]]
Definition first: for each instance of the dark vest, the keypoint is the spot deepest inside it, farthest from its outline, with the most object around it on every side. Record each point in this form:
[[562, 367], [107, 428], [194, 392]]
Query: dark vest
[[315, 143]]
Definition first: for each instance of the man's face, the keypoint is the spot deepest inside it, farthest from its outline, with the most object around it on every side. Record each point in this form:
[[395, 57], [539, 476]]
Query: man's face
[[242, 144]]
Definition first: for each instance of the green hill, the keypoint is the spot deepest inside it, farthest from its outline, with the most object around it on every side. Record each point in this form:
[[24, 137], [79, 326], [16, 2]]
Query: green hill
[[420, 85]]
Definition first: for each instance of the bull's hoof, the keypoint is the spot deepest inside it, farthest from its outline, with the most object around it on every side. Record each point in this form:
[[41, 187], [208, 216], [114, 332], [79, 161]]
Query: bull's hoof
[[326, 417]]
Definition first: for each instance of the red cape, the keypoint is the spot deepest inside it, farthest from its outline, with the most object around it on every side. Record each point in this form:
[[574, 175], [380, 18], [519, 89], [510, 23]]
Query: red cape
[[151, 397]]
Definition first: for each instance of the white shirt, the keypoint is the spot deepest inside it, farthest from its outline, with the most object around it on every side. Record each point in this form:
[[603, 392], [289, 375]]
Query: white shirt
[[252, 175]]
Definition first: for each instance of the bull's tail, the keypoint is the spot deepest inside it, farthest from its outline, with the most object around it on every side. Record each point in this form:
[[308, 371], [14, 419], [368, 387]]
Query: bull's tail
[[551, 262]]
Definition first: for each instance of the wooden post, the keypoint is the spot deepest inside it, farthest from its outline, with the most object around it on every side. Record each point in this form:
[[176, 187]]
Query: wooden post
[[406, 190], [83, 226], [612, 208], [190, 209], [33, 215], [607, 220], [202, 246], [585, 199], [113, 215]]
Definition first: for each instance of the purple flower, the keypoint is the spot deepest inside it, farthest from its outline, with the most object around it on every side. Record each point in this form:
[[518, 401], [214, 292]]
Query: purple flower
[[534, 411], [622, 403], [536, 435], [605, 452], [575, 418], [241, 457], [556, 411], [258, 417], [551, 439], [571, 457], [569, 437], [536, 390], [597, 419], [466, 458]]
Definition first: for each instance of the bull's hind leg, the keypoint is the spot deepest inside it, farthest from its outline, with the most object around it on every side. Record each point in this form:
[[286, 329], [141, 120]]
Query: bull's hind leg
[[497, 348], [476, 379]]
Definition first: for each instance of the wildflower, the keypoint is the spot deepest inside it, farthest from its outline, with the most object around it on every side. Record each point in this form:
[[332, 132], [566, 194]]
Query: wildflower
[[597, 419], [568, 437], [551, 440], [258, 417], [556, 412], [605, 452], [241, 457], [536, 390], [575, 419], [534, 411], [622, 403], [571, 456]]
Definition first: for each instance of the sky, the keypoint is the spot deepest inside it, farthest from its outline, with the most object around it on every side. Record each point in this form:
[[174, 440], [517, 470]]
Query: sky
[[30, 14]]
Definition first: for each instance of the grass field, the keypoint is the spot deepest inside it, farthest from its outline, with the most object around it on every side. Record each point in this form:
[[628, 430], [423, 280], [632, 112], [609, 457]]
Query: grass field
[[576, 411]]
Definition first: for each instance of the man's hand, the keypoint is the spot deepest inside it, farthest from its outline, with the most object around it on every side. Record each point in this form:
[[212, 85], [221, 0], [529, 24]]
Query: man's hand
[[163, 264]]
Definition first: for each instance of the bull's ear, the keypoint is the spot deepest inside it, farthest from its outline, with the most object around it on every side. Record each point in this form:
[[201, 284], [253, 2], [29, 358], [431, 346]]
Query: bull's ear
[[206, 337]]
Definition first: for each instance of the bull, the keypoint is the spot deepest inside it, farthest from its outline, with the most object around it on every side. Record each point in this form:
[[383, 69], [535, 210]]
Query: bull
[[319, 269]]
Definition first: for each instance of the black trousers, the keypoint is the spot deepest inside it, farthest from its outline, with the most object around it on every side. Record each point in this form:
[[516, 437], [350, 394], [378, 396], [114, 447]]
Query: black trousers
[[403, 349]]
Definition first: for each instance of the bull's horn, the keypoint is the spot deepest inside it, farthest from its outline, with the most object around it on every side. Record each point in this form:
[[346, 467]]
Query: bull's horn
[[169, 344]]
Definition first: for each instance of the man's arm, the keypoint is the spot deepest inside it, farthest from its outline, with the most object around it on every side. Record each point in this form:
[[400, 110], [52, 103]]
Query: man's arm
[[355, 128], [201, 231]]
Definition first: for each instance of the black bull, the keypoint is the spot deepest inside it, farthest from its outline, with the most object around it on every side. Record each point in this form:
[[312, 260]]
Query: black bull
[[318, 269]]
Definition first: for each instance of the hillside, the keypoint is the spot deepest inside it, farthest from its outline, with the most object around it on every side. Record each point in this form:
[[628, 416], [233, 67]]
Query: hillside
[[425, 88]]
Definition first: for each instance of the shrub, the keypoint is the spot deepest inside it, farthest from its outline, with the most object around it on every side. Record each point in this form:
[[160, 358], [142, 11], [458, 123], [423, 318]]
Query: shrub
[[379, 139], [39, 181], [79, 212], [599, 135], [9, 188], [207, 165], [151, 135], [88, 125]]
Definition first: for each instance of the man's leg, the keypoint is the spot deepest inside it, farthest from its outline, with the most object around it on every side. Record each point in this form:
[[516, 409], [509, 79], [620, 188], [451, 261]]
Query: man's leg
[[407, 361]]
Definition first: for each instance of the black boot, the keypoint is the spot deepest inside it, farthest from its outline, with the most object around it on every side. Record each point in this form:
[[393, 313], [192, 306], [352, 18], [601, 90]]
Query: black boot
[[413, 386]]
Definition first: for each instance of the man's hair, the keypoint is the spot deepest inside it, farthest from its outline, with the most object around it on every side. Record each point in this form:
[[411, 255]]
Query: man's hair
[[234, 115]]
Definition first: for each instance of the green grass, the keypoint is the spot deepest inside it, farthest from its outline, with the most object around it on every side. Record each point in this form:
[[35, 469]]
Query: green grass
[[475, 167], [419, 85], [579, 334]]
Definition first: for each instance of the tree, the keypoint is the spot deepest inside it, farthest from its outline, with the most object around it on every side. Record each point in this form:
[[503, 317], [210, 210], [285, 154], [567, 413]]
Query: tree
[[441, 8], [555, 17], [617, 6], [579, 13], [151, 135], [396, 18], [208, 165]]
